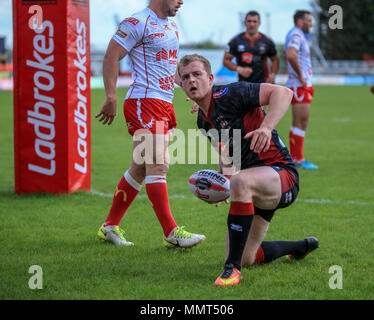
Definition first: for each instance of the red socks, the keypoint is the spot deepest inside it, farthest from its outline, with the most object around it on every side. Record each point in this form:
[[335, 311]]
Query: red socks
[[260, 256], [241, 208], [296, 139], [157, 192], [126, 191]]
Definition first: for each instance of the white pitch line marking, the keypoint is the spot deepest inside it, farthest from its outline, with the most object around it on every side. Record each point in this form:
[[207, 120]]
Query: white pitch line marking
[[317, 201], [184, 197], [341, 120]]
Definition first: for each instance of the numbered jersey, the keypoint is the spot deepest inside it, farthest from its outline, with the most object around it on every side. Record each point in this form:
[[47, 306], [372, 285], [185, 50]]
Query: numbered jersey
[[295, 38], [152, 44]]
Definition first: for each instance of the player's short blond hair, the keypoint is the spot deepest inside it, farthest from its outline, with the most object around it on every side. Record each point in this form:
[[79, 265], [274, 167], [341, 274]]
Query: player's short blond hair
[[186, 60]]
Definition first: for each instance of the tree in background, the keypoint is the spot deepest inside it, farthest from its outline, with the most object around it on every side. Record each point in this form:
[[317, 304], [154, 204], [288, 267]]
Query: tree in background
[[356, 40]]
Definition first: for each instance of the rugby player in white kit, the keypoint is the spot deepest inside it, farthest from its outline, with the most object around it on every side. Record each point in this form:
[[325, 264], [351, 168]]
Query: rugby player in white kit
[[299, 66], [151, 41]]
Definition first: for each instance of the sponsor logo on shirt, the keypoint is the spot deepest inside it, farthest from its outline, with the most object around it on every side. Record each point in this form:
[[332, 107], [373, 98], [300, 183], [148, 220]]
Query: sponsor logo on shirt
[[241, 48], [224, 124], [121, 34], [171, 56], [222, 121], [262, 48], [156, 36], [167, 83], [132, 21], [295, 41], [220, 93], [247, 57], [162, 55]]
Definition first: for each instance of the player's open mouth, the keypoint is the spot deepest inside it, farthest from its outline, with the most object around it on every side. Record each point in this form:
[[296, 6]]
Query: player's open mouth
[[193, 89]]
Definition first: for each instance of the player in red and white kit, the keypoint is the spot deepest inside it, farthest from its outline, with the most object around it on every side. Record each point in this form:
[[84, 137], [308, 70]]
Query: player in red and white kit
[[299, 66], [151, 41]]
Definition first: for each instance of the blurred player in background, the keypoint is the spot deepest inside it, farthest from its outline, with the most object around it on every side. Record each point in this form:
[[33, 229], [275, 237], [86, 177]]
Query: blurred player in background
[[252, 50], [151, 40], [267, 180], [297, 54]]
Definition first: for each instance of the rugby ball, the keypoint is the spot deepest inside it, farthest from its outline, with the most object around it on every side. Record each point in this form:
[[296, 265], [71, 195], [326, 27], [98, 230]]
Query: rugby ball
[[209, 186]]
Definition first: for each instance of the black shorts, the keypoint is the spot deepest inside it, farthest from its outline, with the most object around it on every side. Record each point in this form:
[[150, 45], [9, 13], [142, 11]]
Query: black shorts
[[290, 190], [290, 186]]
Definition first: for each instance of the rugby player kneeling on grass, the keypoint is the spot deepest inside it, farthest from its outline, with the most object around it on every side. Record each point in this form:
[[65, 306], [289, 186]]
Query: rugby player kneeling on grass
[[267, 179]]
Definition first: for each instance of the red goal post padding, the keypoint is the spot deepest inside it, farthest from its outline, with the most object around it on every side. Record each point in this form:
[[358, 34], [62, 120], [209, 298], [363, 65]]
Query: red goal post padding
[[52, 99]]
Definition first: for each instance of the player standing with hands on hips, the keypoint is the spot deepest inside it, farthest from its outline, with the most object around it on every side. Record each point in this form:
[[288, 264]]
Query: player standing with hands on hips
[[267, 179], [299, 66], [151, 40]]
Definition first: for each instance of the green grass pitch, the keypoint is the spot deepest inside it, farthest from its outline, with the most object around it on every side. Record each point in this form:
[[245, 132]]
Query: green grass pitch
[[58, 232]]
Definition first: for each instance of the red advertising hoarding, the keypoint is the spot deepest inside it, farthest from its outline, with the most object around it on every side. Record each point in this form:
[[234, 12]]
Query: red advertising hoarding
[[52, 99]]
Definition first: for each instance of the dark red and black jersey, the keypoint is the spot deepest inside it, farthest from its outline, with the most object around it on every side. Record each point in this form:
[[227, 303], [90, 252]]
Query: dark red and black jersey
[[237, 106], [253, 54]]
